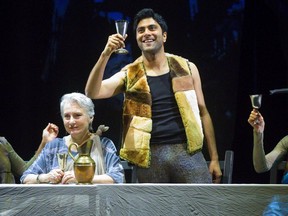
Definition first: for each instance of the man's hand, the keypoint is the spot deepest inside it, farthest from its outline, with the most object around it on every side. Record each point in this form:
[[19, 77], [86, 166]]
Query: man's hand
[[215, 170]]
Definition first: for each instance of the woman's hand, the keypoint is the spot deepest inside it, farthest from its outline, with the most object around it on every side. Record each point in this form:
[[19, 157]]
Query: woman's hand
[[68, 178], [50, 132], [256, 120], [55, 176]]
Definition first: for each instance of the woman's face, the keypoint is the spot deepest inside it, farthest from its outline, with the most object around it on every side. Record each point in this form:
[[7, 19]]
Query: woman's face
[[76, 120]]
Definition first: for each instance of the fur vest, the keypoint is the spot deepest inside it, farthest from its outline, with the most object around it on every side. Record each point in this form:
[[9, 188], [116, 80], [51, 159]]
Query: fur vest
[[137, 114]]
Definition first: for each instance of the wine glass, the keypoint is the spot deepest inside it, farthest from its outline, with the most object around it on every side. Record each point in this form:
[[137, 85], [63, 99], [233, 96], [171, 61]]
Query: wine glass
[[62, 160], [121, 28], [256, 101]]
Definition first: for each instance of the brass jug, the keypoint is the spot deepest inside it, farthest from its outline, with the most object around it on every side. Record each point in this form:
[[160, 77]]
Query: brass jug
[[84, 165]]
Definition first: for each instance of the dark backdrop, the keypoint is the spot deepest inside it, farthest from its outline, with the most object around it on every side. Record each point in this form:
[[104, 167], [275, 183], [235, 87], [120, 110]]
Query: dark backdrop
[[49, 47]]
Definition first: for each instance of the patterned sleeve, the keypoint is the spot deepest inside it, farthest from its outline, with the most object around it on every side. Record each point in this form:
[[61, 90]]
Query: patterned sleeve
[[263, 162], [114, 167], [45, 160], [278, 153]]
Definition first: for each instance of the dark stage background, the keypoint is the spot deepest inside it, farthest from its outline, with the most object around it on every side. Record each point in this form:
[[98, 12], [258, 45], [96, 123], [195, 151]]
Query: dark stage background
[[49, 47]]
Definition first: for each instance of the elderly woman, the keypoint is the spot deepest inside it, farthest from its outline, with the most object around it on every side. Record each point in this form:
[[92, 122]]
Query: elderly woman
[[77, 112], [12, 165], [263, 162]]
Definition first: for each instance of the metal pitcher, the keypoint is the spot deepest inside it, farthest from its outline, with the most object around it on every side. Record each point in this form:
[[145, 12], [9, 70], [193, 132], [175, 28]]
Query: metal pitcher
[[84, 165]]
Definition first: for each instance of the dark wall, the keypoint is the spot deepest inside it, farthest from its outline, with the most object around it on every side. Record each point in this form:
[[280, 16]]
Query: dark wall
[[49, 47], [26, 105], [263, 66]]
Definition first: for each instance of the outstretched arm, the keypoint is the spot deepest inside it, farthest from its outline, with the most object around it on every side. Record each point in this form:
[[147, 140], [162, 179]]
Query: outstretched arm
[[261, 162], [95, 87]]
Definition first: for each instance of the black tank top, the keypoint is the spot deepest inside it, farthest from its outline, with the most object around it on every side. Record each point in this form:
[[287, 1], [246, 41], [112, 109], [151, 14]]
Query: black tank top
[[167, 123]]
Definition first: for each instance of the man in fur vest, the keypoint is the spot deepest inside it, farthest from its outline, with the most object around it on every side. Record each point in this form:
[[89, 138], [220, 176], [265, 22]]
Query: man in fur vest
[[165, 118]]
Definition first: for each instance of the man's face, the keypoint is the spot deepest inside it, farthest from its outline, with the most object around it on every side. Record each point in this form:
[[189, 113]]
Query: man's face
[[149, 35]]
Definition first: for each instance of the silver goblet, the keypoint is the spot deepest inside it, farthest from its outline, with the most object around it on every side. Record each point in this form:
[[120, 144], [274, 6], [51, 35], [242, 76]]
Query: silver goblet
[[256, 101], [62, 160]]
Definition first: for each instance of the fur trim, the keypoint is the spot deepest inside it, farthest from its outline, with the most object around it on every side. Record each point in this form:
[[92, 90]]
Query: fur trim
[[192, 128], [136, 147]]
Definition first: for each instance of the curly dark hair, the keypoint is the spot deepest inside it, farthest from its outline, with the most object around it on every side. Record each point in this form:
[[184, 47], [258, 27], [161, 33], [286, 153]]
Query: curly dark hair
[[149, 13]]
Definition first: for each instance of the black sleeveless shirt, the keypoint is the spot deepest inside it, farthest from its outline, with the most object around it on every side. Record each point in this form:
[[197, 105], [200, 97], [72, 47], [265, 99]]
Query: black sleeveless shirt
[[167, 123]]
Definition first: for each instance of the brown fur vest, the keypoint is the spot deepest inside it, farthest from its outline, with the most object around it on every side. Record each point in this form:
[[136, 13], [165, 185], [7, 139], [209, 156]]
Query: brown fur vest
[[137, 115]]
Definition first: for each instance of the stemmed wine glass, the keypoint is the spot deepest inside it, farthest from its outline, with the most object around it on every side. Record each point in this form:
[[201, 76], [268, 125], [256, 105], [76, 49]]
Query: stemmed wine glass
[[62, 160], [121, 28], [256, 101]]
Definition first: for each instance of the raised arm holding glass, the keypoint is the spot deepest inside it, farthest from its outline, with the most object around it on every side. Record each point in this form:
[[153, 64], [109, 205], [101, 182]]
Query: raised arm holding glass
[[263, 162]]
